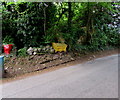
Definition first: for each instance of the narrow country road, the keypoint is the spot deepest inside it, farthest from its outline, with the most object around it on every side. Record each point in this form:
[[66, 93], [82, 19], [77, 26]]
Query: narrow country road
[[94, 79]]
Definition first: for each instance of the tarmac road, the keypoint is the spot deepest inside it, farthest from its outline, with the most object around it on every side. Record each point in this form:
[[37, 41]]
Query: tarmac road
[[94, 79]]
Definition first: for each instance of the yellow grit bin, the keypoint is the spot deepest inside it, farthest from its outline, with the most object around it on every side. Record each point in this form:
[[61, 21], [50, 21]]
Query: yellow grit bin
[[59, 47]]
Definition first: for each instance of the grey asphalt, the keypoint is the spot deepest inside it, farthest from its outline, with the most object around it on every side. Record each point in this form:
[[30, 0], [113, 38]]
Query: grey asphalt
[[93, 79]]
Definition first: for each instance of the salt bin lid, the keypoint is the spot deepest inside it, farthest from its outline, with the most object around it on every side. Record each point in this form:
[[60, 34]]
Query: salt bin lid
[[1, 57]]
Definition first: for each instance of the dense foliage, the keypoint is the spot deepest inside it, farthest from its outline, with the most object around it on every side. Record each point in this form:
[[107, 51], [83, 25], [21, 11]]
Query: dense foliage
[[83, 26]]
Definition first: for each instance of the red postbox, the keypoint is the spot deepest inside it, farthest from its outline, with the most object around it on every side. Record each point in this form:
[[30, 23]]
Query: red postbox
[[7, 48]]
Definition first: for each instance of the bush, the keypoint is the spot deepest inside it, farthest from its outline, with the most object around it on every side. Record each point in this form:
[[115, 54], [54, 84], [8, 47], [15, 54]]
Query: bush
[[113, 38], [22, 52], [100, 40], [8, 40]]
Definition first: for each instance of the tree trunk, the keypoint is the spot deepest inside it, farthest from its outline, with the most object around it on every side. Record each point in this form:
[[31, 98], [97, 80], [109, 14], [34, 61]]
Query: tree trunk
[[45, 20], [69, 16], [88, 28]]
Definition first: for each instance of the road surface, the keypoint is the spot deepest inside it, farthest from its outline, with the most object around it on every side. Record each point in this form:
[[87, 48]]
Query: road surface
[[93, 79]]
